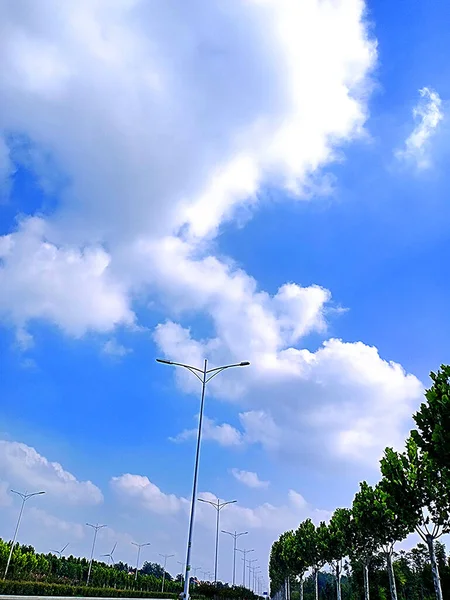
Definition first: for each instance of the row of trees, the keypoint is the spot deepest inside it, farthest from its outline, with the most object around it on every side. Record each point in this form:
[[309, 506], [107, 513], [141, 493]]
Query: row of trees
[[413, 494], [28, 565]]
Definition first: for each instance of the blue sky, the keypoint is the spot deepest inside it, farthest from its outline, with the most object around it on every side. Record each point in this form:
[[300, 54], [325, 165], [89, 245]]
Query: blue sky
[[240, 183]]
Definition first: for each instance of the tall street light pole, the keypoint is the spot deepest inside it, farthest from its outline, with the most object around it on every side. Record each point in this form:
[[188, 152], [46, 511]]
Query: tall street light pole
[[96, 529], [218, 507], [165, 556], [138, 546], [235, 536], [244, 552], [250, 568], [24, 497], [204, 376]]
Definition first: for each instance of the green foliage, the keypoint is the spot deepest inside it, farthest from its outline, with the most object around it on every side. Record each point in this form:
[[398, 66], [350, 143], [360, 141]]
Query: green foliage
[[26, 565], [38, 588], [433, 421], [412, 484]]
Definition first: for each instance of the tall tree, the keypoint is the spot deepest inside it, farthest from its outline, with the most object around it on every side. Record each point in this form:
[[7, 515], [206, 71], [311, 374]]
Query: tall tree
[[418, 493], [311, 546], [338, 543], [366, 536]]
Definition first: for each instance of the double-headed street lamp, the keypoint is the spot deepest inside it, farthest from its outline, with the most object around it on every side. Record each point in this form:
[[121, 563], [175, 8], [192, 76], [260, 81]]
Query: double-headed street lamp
[[24, 497], [204, 376], [235, 536], [244, 552], [165, 557], [138, 546], [218, 506], [96, 529]]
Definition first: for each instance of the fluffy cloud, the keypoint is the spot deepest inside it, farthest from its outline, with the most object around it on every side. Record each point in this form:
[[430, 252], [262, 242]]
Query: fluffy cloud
[[113, 348], [427, 115], [249, 478], [342, 403], [224, 434], [188, 113], [160, 126], [64, 285], [146, 494], [21, 465]]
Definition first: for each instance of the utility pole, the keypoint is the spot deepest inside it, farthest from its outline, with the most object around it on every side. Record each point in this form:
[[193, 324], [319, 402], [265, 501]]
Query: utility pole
[[138, 546], [218, 507], [204, 376], [24, 497], [244, 552], [96, 529], [235, 536], [165, 556]]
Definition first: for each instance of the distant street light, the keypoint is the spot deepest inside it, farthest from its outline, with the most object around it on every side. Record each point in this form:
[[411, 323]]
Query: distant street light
[[96, 529], [60, 552], [139, 546], [111, 555], [235, 536], [204, 376], [24, 497], [165, 556], [244, 552], [250, 568], [218, 506]]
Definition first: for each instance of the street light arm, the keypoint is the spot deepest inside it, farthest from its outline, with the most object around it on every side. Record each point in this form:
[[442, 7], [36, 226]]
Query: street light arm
[[176, 364], [243, 363], [208, 502], [225, 503]]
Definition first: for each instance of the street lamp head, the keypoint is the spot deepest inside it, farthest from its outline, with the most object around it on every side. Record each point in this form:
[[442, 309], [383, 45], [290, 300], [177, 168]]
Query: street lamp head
[[244, 363], [164, 362]]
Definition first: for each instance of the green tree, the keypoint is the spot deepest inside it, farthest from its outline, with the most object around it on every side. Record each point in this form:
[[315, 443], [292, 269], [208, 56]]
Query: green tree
[[365, 535], [433, 422], [418, 494], [338, 543]]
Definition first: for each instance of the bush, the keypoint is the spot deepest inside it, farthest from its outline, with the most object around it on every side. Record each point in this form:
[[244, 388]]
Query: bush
[[34, 588]]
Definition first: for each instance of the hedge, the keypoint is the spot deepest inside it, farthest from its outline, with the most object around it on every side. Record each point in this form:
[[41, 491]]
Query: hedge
[[37, 588]]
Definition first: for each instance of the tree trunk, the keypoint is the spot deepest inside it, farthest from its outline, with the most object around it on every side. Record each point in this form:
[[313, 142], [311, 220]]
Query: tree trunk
[[316, 584], [366, 580], [434, 568], [390, 570], [301, 588], [338, 580]]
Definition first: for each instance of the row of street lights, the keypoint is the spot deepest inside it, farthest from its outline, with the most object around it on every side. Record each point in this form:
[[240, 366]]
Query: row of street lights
[[204, 376]]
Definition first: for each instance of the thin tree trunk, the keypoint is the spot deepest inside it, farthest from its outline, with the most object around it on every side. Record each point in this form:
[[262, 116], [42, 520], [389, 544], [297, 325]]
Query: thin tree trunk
[[338, 580], [316, 584], [390, 570], [366, 580], [434, 568], [301, 588]]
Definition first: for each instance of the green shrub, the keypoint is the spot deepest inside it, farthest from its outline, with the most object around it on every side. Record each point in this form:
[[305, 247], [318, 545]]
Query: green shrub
[[34, 588]]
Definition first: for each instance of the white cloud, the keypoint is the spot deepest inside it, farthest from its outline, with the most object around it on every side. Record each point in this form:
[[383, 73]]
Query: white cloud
[[164, 123], [64, 285], [21, 465], [45, 521], [113, 348], [146, 494], [224, 433], [249, 478], [427, 116], [342, 403], [188, 114]]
